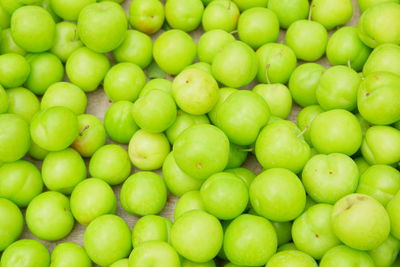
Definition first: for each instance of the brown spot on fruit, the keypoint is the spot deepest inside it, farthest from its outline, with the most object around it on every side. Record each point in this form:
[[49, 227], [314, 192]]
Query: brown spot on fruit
[[199, 165]]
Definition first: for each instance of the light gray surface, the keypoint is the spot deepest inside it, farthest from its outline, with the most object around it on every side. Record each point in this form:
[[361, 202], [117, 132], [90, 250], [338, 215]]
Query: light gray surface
[[98, 104]]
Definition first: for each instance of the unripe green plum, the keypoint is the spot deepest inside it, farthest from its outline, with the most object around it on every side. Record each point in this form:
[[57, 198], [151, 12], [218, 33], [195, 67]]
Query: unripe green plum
[[92, 135], [392, 209], [235, 65], [173, 51], [151, 228], [211, 42], [346, 48], [154, 253], [36, 152], [69, 254], [224, 93], [331, 13], [15, 139], [237, 156], [365, 4], [222, 15], [146, 15], [277, 97], [66, 40], [346, 257], [23, 102], [189, 201], [98, 20], [184, 14], [14, 70], [31, 252], [246, 4], [384, 58], [372, 21], [119, 122], [386, 253], [69, 9], [66, 95], [8, 45], [305, 118], [12, 223], [289, 11], [290, 258]]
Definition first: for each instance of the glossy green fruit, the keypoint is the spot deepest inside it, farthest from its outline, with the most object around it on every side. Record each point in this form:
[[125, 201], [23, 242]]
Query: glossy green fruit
[[290, 258], [211, 42], [184, 14], [119, 122], [289, 11], [278, 98], [69, 9], [12, 223], [151, 228], [384, 58], [246, 4], [331, 14], [155, 253], [8, 45], [345, 256], [305, 118], [14, 70], [23, 102], [31, 252], [66, 95], [66, 40], [69, 254], [146, 15], [221, 15], [15, 139]]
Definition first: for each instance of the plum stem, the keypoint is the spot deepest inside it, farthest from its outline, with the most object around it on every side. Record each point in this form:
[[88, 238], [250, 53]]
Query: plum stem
[[349, 63], [310, 12], [302, 132], [266, 74], [245, 149]]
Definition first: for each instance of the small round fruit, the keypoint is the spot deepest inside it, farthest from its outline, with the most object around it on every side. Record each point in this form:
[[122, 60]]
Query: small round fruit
[[386, 254], [184, 14], [306, 117], [30, 252], [189, 201], [66, 39], [246, 4], [278, 98], [331, 14], [154, 253], [14, 70], [222, 15], [289, 11], [211, 42], [119, 122], [71, 254], [345, 256], [291, 258], [15, 139], [23, 102], [107, 239], [384, 58], [66, 95], [146, 15], [12, 223], [151, 228], [69, 9]]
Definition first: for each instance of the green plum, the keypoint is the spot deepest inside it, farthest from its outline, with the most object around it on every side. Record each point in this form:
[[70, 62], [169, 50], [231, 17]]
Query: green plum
[[197, 236], [386, 253], [119, 122], [154, 253], [312, 232], [360, 222], [306, 117], [137, 48], [36, 152], [383, 16], [69, 254], [183, 121], [10, 5], [189, 201], [365, 4], [381, 182], [187, 263], [308, 39], [378, 98], [235, 65], [178, 182], [143, 193], [291, 258], [303, 83], [346, 48], [23, 102], [184, 14], [55, 128], [12, 223], [276, 63], [243, 110], [328, 178], [86, 68], [122, 262], [245, 174], [151, 228], [91, 137], [283, 232], [110, 163], [195, 91], [381, 145], [49, 217], [4, 17], [159, 83], [362, 164], [107, 239], [20, 182], [92, 198], [336, 131], [211, 42], [274, 204], [66, 95], [124, 81], [246, 4], [337, 88], [250, 240], [331, 14], [224, 93], [33, 28], [26, 253], [69, 9], [148, 150], [384, 58], [102, 26], [221, 15], [146, 15], [63, 170], [392, 209], [197, 147], [237, 156], [278, 98], [66, 40], [174, 50], [282, 145], [346, 257], [14, 70], [224, 195], [15, 139], [8, 45], [289, 11], [46, 69]]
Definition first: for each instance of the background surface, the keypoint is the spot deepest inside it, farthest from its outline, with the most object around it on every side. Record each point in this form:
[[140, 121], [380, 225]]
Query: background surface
[[98, 104]]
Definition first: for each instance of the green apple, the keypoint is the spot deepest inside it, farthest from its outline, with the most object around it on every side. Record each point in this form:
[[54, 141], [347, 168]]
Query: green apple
[[384, 58], [49, 217], [251, 27], [27, 253], [328, 178], [184, 14], [174, 50], [107, 239], [119, 122], [304, 82], [66, 40], [197, 236], [151, 228], [282, 145], [360, 222], [336, 131], [346, 48], [69, 254], [312, 232], [146, 15], [102, 26], [221, 15], [92, 198], [86, 68], [250, 240], [373, 20], [278, 205], [235, 65], [23, 102], [12, 223], [331, 14], [289, 11]]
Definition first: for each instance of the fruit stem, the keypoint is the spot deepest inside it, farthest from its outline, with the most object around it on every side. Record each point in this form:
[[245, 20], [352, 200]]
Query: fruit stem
[[245, 149], [303, 132], [310, 12], [266, 74], [349, 63]]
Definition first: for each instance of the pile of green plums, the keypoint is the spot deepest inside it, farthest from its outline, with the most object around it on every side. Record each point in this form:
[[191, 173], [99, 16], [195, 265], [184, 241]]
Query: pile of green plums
[[230, 133]]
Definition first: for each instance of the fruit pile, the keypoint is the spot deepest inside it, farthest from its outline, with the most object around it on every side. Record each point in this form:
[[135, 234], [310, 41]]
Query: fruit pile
[[200, 89]]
